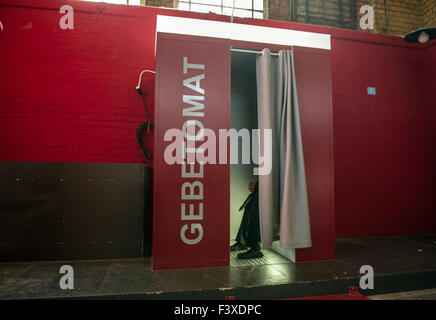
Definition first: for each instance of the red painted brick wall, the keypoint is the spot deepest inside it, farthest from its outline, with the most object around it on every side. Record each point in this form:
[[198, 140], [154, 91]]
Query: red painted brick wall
[[430, 105], [430, 86], [69, 96], [381, 144]]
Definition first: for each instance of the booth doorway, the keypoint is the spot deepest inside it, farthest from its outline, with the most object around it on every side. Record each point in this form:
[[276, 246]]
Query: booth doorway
[[244, 115]]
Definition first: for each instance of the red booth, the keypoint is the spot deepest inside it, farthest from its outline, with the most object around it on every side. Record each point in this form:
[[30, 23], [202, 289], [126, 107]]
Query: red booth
[[195, 76]]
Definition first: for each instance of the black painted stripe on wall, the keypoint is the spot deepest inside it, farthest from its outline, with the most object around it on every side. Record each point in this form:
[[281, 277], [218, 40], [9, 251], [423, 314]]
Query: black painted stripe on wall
[[56, 211]]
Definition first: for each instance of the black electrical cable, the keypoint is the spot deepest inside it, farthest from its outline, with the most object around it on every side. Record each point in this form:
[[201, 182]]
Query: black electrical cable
[[139, 134], [140, 131]]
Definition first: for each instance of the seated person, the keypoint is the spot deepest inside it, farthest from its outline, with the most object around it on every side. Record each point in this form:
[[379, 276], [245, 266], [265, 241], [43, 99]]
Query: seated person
[[249, 231]]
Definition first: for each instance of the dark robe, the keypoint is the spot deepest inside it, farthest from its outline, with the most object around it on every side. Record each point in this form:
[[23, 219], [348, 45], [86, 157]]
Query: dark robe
[[249, 230]]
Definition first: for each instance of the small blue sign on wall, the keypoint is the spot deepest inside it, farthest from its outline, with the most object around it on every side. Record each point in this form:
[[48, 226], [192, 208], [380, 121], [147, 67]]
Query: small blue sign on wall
[[371, 91]]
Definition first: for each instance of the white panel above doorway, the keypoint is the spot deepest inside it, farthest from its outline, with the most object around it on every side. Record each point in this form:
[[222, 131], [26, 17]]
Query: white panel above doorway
[[242, 32]]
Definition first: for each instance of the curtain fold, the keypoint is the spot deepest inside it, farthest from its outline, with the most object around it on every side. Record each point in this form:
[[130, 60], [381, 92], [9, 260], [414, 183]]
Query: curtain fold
[[283, 203]]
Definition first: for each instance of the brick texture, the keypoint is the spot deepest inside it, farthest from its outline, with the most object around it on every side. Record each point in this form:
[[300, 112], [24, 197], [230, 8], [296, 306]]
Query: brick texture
[[429, 13], [381, 144], [160, 3], [69, 95], [430, 105], [334, 13], [393, 17], [279, 10]]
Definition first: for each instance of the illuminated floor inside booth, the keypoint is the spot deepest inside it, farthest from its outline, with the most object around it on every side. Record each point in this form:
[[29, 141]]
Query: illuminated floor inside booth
[[269, 257]]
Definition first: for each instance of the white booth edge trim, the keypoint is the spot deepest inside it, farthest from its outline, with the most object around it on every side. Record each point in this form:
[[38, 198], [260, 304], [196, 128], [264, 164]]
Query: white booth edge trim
[[242, 32]]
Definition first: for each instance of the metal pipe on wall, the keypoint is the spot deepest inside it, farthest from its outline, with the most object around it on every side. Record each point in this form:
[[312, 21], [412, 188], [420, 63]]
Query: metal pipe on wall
[[252, 51]]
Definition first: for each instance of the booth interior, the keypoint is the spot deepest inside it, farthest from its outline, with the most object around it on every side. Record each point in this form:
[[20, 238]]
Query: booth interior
[[244, 115]]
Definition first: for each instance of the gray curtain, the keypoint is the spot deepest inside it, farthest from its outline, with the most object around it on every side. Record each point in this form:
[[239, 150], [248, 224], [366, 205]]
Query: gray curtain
[[283, 204]]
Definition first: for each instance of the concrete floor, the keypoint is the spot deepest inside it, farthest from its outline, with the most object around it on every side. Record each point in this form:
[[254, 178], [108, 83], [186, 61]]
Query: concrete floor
[[429, 294], [400, 263]]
